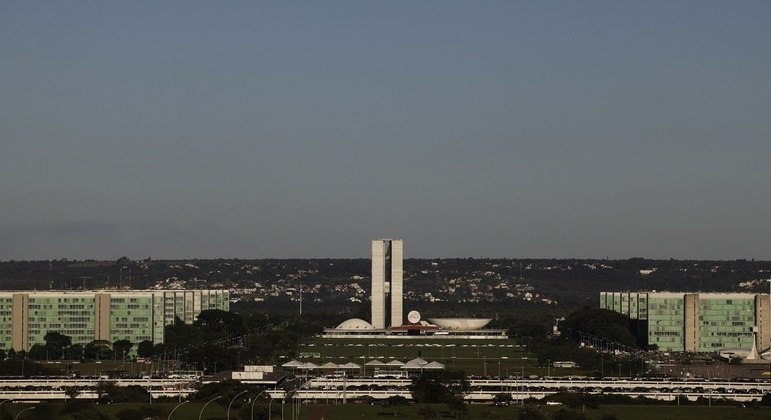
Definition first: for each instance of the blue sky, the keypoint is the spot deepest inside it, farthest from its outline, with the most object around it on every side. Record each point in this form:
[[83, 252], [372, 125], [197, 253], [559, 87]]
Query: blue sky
[[304, 129]]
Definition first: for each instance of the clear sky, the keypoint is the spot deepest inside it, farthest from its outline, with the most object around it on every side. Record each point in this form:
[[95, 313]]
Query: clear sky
[[282, 129]]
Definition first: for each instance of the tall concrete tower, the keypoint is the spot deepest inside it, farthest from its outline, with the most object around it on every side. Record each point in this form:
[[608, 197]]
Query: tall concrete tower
[[387, 278]]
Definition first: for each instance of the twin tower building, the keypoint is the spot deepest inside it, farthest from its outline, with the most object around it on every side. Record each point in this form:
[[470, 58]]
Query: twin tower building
[[387, 281]]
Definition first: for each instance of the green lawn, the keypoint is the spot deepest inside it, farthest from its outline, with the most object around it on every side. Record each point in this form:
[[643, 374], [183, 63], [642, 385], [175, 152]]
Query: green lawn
[[476, 357], [360, 411], [51, 411]]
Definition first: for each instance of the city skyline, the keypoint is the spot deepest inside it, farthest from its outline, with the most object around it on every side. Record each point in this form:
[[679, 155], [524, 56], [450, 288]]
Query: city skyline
[[496, 129]]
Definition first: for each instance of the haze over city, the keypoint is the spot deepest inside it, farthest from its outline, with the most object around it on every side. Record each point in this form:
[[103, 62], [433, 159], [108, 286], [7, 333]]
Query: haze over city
[[306, 129]]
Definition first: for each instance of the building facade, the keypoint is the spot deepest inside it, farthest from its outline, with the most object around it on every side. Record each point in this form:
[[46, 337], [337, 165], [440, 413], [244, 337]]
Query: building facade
[[387, 279], [111, 315], [696, 322]]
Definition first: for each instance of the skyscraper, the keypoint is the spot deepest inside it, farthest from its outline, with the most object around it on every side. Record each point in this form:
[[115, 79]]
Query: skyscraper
[[387, 278]]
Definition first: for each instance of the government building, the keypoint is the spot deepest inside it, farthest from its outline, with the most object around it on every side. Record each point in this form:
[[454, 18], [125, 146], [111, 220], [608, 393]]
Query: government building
[[134, 315], [695, 322]]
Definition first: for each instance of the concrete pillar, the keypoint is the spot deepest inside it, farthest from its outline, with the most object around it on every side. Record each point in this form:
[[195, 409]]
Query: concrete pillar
[[691, 322], [378, 284], [20, 321], [763, 320], [397, 283], [102, 303]]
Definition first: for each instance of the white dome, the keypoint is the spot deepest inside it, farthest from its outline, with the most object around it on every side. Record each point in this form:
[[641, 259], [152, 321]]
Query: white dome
[[463, 324], [355, 324]]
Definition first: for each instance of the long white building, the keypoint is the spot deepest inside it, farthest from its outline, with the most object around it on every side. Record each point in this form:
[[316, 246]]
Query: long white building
[[26, 316], [696, 322]]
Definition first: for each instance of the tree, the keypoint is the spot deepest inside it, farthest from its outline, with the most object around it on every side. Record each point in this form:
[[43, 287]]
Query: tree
[[37, 352], [56, 344], [395, 400], [97, 350], [122, 348], [145, 348], [217, 320], [71, 392], [603, 323], [439, 387], [75, 352], [128, 394]]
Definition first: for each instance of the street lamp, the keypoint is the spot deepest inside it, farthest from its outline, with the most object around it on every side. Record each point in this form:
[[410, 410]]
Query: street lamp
[[231, 402], [255, 400], [19, 413], [175, 409], [207, 403]]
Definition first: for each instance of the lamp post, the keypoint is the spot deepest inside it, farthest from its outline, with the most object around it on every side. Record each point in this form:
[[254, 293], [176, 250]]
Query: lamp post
[[207, 403], [175, 409], [231, 402], [19, 413], [255, 400]]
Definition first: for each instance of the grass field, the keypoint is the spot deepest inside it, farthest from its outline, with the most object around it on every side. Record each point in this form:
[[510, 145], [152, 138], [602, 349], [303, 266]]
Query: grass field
[[50, 411], [476, 357], [359, 411]]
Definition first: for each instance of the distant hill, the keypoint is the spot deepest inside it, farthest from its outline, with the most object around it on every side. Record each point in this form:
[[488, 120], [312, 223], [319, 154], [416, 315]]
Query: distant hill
[[460, 285]]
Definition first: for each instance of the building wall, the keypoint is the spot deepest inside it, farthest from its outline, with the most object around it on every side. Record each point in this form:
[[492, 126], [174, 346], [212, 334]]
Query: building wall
[[378, 283], [387, 278], [131, 317], [691, 322], [703, 322], [397, 283], [666, 315], [727, 321], [26, 317], [763, 320], [6, 306], [632, 304], [20, 321], [102, 310]]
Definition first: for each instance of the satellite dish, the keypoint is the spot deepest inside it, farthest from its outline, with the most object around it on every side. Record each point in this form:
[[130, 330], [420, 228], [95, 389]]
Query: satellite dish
[[413, 317]]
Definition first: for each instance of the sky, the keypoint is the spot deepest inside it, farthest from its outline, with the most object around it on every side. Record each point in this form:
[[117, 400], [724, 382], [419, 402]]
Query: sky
[[304, 129]]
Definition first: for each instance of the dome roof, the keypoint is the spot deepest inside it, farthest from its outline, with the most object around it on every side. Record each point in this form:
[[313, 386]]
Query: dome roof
[[355, 324], [463, 324]]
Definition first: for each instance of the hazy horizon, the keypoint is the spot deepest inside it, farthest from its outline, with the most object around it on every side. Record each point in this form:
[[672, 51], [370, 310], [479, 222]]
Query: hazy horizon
[[305, 129]]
